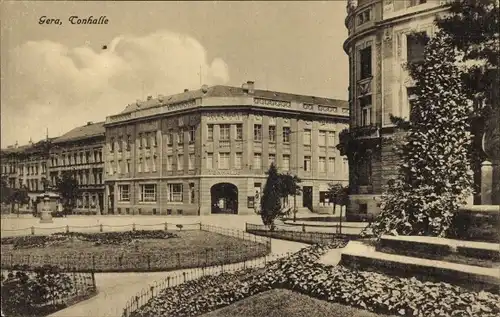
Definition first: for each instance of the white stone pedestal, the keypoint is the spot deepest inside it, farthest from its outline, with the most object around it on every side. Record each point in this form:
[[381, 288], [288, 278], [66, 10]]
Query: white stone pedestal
[[46, 216]]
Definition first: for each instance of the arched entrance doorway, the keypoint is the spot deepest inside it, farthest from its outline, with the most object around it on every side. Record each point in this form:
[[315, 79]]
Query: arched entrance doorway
[[224, 198]]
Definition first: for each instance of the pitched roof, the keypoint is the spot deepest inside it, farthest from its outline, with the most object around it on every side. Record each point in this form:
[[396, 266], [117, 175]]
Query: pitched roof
[[229, 91], [82, 132]]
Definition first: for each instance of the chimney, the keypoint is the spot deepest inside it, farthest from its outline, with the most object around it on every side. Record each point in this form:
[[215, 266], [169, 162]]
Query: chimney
[[160, 98], [138, 103], [30, 141], [15, 145], [250, 85], [90, 122], [150, 97], [186, 90]]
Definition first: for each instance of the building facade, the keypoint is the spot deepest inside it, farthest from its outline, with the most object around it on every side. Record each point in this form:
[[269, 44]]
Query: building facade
[[383, 36], [80, 151], [26, 167], [207, 151]]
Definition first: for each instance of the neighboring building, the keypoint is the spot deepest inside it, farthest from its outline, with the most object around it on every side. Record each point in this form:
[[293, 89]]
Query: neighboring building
[[379, 45], [26, 166], [80, 151], [207, 151]]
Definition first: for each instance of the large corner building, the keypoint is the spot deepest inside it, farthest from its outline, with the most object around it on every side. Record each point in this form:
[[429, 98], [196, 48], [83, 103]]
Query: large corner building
[[381, 42], [207, 151]]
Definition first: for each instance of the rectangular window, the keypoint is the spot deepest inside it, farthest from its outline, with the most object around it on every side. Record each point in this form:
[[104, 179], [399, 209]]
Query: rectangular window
[[257, 132], [118, 167], [174, 192], [413, 3], [155, 139], [272, 159], [124, 192], [112, 145], [180, 136], [239, 132], [170, 163], [191, 161], [365, 104], [331, 139], [257, 161], [148, 192], [364, 17], [272, 133], [146, 165], [322, 138], [415, 46], [127, 167], [128, 142], [87, 157], [147, 136], [191, 193], [192, 134], [286, 162], [365, 57], [223, 160], [331, 165], [307, 163], [170, 137], [210, 160], [238, 160], [286, 135], [180, 162], [110, 167], [307, 137], [210, 132], [120, 143], [224, 132], [139, 139], [139, 166], [322, 164]]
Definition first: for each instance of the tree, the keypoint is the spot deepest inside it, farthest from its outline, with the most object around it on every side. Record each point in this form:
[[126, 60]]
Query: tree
[[339, 195], [289, 186], [271, 197], [19, 196], [5, 191], [67, 187], [473, 27], [434, 178]]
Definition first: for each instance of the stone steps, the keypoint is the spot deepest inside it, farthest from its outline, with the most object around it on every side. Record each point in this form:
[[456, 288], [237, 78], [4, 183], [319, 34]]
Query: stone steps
[[365, 256], [416, 245]]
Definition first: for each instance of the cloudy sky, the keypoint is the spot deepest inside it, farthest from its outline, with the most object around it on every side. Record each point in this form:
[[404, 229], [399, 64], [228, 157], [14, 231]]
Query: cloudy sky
[[59, 77]]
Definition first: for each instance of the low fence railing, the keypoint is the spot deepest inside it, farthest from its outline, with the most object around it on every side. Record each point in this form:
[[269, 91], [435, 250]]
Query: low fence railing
[[285, 233], [25, 292], [155, 289], [99, 228], [138, 260]]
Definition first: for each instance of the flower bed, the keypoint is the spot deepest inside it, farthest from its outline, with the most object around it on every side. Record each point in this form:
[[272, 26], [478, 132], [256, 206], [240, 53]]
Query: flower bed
[[138, 252], [367, 290], [43, 291], [26, 242]]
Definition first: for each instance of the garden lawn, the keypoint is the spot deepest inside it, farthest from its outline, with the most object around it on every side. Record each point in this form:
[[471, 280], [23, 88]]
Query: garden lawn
[[286, 303], [185, 250]]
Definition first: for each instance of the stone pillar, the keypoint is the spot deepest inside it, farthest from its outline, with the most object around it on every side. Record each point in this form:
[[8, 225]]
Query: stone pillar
[[486, 183]]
